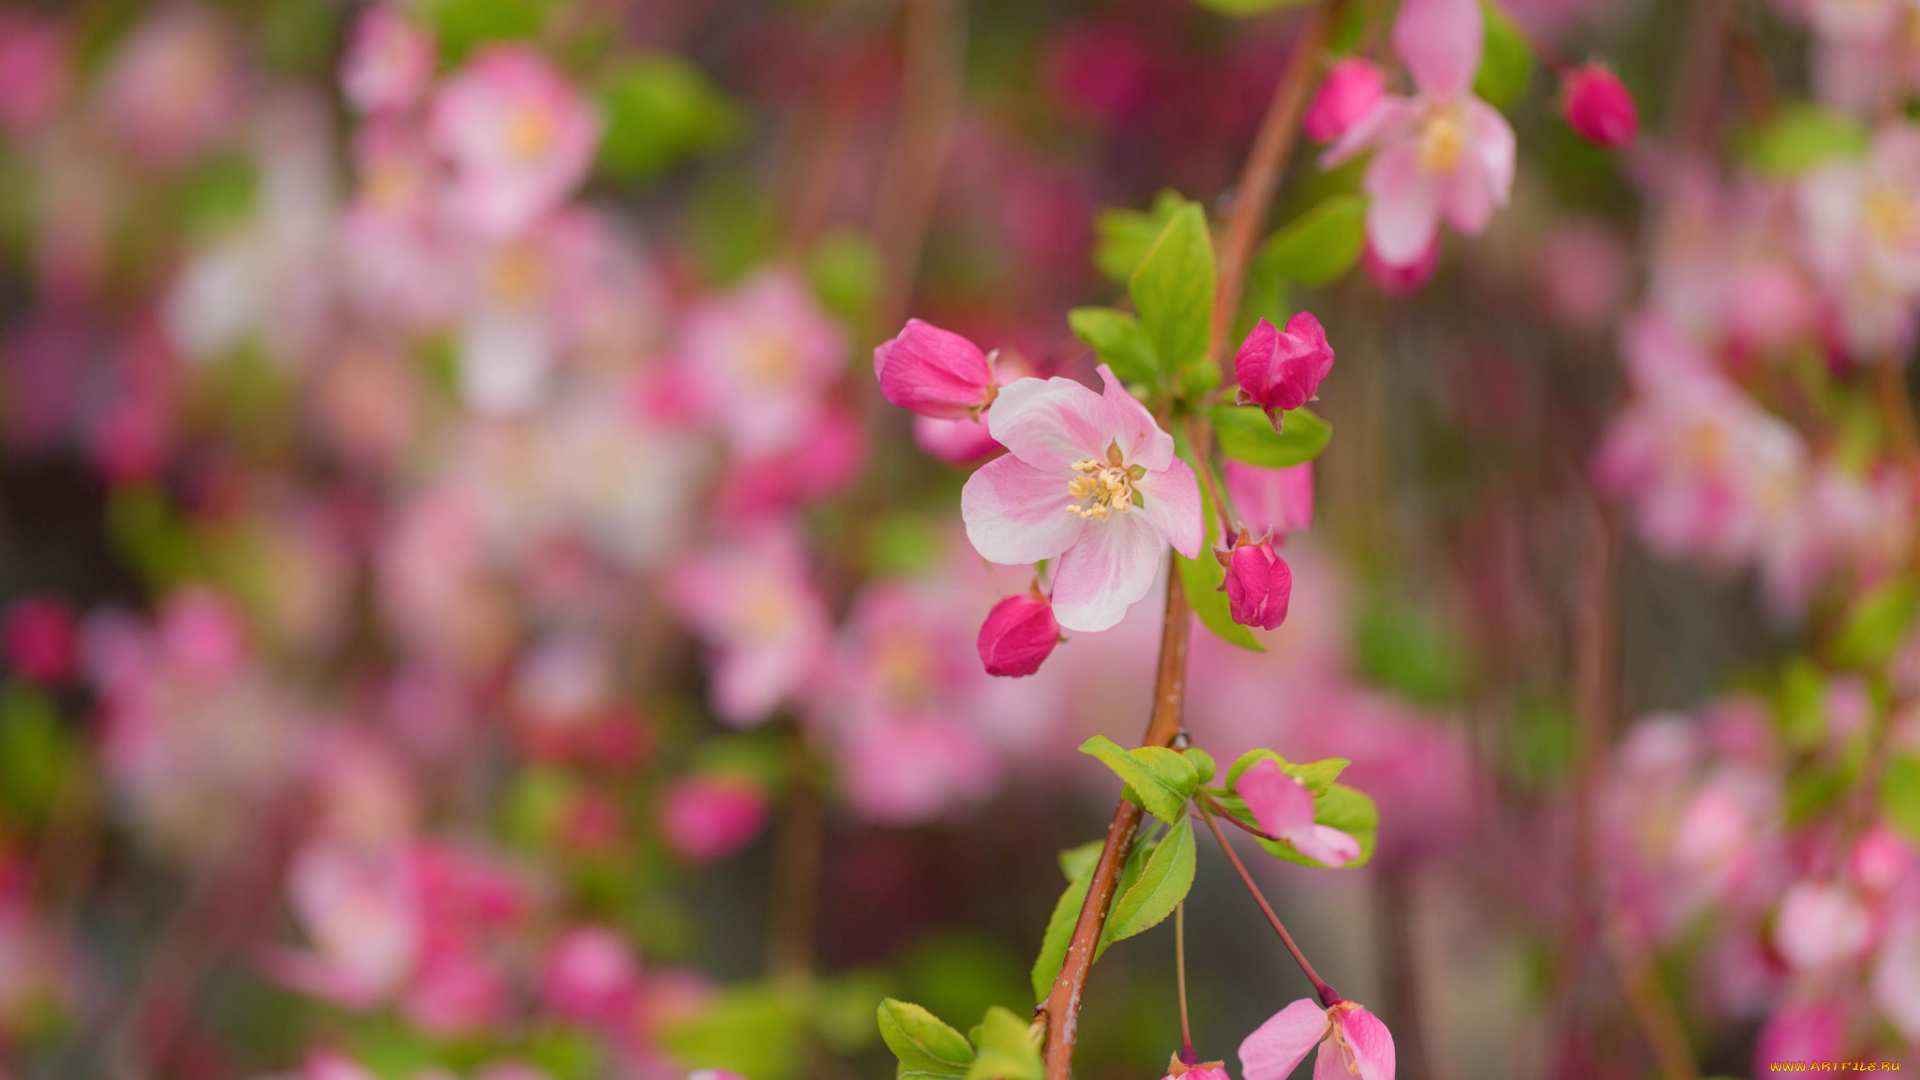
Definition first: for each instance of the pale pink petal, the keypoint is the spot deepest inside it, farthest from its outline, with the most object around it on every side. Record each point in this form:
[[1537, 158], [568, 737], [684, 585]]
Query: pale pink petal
[[1324, 844], [1404, 215], [1275, 1047], [1465, 198], [1493, 144], [1051, 423], [1440, 42], [1170, 498], [1141, 440], [1016, 513], [1278, 802], [1107, 570], [1371, 1043], [1388, 119], [1330, 1063]]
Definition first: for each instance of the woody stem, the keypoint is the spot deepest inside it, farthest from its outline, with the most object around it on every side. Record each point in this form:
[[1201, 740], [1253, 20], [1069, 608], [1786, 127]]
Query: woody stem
[[1180, 981], [1329, 997]]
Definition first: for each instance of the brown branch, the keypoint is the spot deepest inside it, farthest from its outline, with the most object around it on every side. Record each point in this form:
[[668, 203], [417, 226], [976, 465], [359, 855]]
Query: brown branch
[[1278, 131], [1062, 1007]]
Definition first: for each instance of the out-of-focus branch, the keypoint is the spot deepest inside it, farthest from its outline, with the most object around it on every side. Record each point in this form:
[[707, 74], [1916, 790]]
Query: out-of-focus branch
[[1652, 1007], [930, 97]]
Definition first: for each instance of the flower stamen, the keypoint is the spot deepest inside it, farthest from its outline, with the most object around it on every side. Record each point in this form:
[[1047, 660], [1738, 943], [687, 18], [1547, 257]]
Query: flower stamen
[[1100, 491]]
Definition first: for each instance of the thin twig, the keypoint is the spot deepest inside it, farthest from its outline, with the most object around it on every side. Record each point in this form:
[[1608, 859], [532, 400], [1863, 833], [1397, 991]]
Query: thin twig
[[930, 99], [1329, 997], [1652, 1007], [1180, 981]]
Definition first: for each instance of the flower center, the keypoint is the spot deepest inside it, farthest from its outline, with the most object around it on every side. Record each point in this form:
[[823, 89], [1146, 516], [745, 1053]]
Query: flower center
[[530, 133], [1339, 1037], [1103, 488], [1890, 215], [769, 359], [1443, 137]]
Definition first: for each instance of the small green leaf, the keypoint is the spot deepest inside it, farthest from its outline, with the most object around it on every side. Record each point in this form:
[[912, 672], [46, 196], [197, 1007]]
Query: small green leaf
[[1801, 703], [1244, 8], [1900, 794], [1202, 762], [1342, 808], [1005, 1049], [754, 1030], [846, 273], [1076, 860], [1318, 776], [1877, 624], [1801, 137], [1118, 338], [1319, 246], [1122, 237], [1506, 63], [1163, 883], [1066, 915], [1173, 289], [659, 110], [924, 1043], [1246, 435], [1161, 779]]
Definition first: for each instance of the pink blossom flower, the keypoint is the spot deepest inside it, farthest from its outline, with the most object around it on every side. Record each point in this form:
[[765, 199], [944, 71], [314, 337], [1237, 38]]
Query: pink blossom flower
[[956, 442], [1276, 501], [753, 601], [388, 62], [1598, 106], [1861, 219], [707, 817], [1206, 1070], [1442, 153], [759, 360], [591, 975], [1404, 280], [905, 769], [40, 637], [1350, 91], [1352, 1043], [1091, 480], [1018, 636], [1802, 1031], [1821, 924], [934, 372], [173, 88], [1283, 807], [362, 914], [1279, 371], [33, 70], [1896, 977], [1258, 584], [519, 136]]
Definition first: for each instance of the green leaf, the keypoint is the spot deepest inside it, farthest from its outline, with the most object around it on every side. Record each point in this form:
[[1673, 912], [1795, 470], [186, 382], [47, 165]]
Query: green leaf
[[1202, 762], [1118, 338], [1244, 8], [1246, 435], [1005, 1050], [1877, 624], [1319, 246], [1801, 704], [1341, 808], [1506, 63], [1076, 860], [34, 752], [925, 1044], [846, 273], [1173, 290], [1202, 579], [1801, 137], [1066, 915], [1122, 237], [1900, 794], [1410, 648], [659, 110], [460, 26], [1163, 883], [755, 1031], [1161, 779]]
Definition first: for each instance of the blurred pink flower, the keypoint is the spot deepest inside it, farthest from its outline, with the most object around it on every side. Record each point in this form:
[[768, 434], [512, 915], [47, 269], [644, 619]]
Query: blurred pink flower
[[1820, 925], [361, 912], [519, 135], [1404, 280], [590, 976], [33, 70], [40, 636], [1101, 70], [388, 64], [173, 88], [759, 360], [1803, 1031], [1442, 153], [1598, 107], [1896, 977], [1067, 489], [754, 602], [906, 769], [707, 817], [1276, 501], [1351, 1041], [1350, 91]]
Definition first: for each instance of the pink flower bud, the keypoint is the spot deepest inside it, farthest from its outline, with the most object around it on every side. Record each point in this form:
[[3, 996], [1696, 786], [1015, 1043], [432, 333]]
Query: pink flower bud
[[934, 372], [1401, 280], [40, 635], [1351, 90], [1598, 107], [707, 817], [1259, 584], [1206, 1070], [1018, 635], [1280, 370], [589, 973]]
